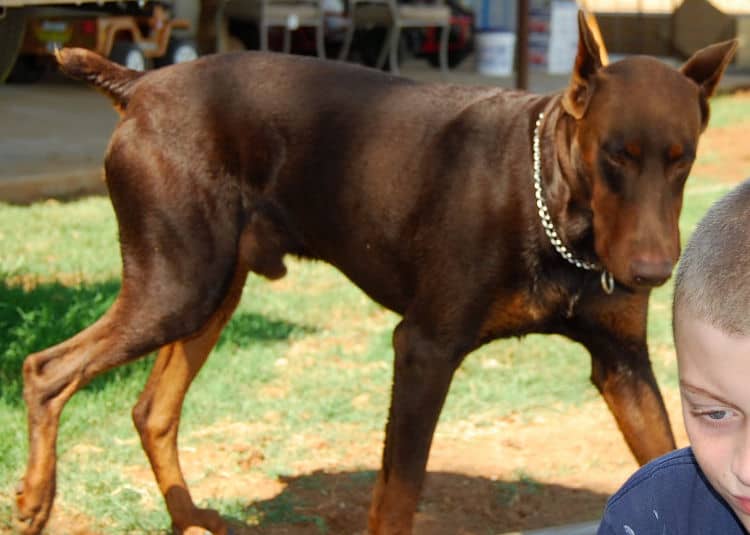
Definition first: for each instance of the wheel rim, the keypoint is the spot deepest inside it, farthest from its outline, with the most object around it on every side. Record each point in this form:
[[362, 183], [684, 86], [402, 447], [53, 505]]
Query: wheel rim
[[134, 60], [185, 53]]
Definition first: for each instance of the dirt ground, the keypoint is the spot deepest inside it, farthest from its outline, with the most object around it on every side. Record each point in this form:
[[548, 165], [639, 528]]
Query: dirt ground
[[552, 467], [546, 469], [549, 468], [725, 150]]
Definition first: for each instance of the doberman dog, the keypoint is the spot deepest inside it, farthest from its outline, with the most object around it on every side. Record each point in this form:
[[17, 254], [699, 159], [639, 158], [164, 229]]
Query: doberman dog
[[475, 213]]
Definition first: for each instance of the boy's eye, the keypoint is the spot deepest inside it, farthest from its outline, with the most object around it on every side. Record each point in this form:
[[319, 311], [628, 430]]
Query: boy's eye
[[717, 415]]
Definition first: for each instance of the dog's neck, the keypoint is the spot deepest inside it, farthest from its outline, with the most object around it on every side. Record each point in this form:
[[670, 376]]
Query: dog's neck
[[565, 207]]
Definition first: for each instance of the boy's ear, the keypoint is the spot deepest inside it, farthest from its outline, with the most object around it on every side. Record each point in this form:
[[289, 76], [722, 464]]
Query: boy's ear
[[706, 66], [588, 62]]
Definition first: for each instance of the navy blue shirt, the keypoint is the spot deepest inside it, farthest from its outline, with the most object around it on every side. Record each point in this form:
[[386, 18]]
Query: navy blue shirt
[[669, 496]]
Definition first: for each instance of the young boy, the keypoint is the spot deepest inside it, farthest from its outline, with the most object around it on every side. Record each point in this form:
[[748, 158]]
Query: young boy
[[704, 489]]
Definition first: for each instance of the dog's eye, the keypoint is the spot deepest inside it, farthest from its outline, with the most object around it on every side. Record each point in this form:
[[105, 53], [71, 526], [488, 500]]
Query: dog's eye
[[678, 156], [621, 154], [618, 157]]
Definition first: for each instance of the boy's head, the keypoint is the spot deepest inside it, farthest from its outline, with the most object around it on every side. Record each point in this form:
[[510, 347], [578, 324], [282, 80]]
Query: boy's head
[[712, 340]]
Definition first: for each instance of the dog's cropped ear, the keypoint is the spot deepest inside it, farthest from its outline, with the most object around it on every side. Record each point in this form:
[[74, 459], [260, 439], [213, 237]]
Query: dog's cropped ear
[[706, 66], [588, 62]]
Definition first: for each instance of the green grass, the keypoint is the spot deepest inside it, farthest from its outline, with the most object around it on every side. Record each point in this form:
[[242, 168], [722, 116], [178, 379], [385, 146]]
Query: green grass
[[727, 111], [509, 492], [298, 356]]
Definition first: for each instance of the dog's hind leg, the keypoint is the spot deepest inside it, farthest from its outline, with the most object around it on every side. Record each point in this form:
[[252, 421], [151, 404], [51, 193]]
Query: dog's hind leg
[[178, 266], [157, 413], [171, 297], [52, 376]]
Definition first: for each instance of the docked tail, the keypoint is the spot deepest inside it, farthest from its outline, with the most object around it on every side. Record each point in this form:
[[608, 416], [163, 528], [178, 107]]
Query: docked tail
[[113, 80]]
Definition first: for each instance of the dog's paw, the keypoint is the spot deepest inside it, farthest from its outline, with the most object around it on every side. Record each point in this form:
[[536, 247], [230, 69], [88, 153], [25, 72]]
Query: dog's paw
[[31, 514]]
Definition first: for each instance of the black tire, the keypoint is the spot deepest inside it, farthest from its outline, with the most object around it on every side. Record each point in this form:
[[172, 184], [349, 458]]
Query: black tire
[[129, 54], [178, 51], [12, 28]]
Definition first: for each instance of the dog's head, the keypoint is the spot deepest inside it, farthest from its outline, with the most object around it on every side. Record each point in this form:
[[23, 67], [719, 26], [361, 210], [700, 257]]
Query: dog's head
[[634, 136]]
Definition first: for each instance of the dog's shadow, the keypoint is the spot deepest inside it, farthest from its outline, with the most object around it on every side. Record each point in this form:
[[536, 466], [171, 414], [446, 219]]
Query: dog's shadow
[[40, 315], [337, 503]]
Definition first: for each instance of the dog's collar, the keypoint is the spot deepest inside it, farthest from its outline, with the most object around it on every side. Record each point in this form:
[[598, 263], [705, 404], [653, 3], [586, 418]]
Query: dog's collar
[[607, 280]]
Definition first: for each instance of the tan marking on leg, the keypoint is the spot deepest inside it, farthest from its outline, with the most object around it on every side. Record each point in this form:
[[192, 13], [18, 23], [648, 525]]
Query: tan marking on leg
[[641, 416], [51, 377], [393, 506], [157, 413]]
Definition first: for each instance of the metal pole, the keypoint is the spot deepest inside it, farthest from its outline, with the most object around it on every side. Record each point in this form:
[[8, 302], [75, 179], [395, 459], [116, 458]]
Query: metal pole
[[522, 44]]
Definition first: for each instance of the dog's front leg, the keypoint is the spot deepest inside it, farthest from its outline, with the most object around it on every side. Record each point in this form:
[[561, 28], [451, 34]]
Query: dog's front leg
[[626, 382], [614, 332], [422, 374]]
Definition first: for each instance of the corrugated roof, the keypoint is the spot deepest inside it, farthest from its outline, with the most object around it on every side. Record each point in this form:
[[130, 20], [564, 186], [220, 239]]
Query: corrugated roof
[[730, 7]]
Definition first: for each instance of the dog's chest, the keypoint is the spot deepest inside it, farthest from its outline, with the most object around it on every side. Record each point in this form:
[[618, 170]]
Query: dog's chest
[[523, 312]]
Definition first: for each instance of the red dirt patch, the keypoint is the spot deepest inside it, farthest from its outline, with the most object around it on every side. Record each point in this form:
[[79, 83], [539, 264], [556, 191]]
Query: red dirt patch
[[723, 152]]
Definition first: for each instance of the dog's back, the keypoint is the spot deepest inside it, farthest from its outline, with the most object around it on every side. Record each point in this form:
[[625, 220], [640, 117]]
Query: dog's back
[[319, 148]]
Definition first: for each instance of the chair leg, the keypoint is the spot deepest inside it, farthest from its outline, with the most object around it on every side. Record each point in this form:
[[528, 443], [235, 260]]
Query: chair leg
[[320, 39], [263, 37], [348, 38], [383, 55], [393, 58], [444, 34], [287, 40], [221, 27]]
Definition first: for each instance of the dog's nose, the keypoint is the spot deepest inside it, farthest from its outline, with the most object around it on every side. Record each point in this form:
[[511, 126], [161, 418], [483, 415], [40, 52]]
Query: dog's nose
[[650, 272]]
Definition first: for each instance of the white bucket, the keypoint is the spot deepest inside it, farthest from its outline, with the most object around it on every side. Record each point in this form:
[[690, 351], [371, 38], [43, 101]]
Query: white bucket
[[495, 53]]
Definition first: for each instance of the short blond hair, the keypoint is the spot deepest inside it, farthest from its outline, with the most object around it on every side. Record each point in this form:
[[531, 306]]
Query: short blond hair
[[713, 278]]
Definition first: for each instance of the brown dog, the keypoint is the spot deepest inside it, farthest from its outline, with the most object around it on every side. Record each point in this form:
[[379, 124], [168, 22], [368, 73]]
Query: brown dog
[[476, 213]]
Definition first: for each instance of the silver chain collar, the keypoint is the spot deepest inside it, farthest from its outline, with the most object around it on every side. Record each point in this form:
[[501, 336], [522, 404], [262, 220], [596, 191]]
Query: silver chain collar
[[607, 280]]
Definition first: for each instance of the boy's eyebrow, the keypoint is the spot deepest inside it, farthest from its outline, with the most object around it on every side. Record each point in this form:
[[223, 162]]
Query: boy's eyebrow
[[697, 390]]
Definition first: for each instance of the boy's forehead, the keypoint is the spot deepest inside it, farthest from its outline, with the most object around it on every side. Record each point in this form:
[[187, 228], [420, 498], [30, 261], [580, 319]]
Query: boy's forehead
[[703, 345], [686, 325], [691, 323]]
